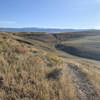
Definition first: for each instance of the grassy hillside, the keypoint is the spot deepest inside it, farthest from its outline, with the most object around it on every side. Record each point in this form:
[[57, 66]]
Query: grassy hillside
[[30, 72], [75, 35], [85, 47], [31, 68]]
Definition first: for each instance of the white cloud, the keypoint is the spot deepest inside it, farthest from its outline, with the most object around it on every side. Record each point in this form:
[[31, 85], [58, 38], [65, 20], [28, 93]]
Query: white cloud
[[97, 27], [7, 22], [92, 27]]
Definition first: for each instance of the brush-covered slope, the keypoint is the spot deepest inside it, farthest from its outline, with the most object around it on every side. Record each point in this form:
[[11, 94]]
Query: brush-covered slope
[[30, 72], [40, 36], [32, 67]]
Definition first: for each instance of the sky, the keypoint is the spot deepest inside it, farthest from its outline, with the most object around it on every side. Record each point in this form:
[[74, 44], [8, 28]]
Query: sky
[[50, 13]]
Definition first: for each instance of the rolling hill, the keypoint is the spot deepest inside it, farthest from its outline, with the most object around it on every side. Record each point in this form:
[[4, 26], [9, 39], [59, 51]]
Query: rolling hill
[[42, 66]]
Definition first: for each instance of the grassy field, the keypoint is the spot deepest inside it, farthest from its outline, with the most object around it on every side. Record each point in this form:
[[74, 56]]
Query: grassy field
[[32, 67]]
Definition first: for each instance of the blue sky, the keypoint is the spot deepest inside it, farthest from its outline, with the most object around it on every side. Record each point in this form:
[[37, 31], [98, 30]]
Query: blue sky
[[50, 13]]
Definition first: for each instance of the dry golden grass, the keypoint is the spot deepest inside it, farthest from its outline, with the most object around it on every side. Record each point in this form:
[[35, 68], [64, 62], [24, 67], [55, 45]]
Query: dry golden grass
[[93, 73], [23, 73]]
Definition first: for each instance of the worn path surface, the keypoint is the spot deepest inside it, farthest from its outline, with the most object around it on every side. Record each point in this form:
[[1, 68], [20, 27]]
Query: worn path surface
[[84, 88]]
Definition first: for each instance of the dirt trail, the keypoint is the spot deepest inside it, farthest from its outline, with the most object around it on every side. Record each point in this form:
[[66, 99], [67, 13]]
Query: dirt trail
[[84, 88]]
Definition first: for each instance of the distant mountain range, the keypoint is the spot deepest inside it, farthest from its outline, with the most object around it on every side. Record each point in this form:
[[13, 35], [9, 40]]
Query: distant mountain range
[[49, 30]]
